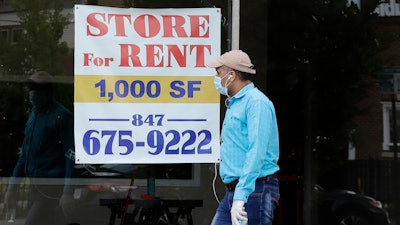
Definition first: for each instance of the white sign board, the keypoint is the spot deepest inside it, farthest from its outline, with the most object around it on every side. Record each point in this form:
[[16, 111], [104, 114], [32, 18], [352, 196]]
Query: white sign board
[[142, 91]]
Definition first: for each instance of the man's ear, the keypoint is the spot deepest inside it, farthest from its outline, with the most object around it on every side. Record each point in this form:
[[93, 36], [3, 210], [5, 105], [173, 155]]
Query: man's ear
[[233, 74]]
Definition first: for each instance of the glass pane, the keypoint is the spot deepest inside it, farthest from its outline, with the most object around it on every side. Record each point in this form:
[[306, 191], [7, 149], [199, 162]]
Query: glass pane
[[16, 34], [397, 125], [189, 193], [4, 35]]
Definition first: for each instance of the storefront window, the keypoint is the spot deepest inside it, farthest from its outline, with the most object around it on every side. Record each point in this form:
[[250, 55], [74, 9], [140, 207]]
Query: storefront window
[[313, 50], [100, 193]]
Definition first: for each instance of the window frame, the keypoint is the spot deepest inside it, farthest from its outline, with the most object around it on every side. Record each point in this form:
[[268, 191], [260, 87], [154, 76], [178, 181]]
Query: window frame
[[194, 182], [16, 33], [386, 126]]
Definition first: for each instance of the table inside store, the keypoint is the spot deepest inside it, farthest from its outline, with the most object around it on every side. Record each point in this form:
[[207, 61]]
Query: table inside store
[[151, 211]]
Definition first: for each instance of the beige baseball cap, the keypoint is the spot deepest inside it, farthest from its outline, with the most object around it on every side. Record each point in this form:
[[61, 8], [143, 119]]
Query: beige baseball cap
[[235, 59], [40, 80], [41, 77]]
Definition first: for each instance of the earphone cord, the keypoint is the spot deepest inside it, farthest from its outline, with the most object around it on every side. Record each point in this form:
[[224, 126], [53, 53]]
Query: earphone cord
[[214, 179], [227, 101]]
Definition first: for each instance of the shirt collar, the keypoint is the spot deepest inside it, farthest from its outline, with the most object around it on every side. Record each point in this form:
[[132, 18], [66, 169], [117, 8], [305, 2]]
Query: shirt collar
[[244, 90]]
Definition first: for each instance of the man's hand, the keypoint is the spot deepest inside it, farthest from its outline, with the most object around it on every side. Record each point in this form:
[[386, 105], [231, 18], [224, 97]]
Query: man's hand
[[67, 204], [237, 212], [66, 199]]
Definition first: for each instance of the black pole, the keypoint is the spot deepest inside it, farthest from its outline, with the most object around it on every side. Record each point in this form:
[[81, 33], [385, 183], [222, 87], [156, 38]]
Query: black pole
[[230, 19], [309, 179], [394, 127], [395, 161]]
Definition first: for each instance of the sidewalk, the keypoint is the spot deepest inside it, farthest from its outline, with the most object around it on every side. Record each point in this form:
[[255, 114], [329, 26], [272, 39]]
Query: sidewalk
[[16, 222]]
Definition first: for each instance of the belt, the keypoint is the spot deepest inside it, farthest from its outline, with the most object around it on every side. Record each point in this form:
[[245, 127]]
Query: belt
[[232, 185]]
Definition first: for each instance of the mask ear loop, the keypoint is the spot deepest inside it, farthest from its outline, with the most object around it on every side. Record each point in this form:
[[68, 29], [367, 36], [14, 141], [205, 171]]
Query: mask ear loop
[[227, 83]]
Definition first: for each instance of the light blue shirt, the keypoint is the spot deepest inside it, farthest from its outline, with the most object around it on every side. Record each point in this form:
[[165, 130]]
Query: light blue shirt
[[249, 140]]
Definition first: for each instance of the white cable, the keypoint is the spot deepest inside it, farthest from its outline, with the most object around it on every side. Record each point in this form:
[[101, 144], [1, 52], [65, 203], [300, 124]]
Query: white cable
[[214, 179]]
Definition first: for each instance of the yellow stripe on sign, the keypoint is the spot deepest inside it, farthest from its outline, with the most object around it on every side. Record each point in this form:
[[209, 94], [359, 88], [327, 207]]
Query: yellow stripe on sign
[[145, 89]]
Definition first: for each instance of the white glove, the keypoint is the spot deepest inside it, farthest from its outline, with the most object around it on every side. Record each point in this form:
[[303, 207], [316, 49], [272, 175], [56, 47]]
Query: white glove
[[66, 199], [67, 204], [237, 212]]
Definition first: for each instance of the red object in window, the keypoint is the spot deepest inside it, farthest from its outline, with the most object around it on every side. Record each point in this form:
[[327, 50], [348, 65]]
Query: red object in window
[[147, 197]]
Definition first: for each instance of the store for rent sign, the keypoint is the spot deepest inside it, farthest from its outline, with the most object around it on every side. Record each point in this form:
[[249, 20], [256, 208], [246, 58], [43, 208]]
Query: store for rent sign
[[142, 91]]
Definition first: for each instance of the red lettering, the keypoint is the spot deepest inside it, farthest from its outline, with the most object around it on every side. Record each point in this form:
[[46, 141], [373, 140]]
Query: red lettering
[[196, 26], [147, 26], [200, 53], [90, 59], [153, 54], [119, 23], [95, 23], [129, 54], [87, 57], [158, 55], [174, 23], [180, 57]]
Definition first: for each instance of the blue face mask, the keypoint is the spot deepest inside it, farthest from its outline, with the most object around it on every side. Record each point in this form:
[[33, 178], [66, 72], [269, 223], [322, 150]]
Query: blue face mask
[[222, 89], [38, 98]]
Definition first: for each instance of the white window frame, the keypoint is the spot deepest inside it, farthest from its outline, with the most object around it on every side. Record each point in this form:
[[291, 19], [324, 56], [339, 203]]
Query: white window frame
[[12, 33], [386, 110]]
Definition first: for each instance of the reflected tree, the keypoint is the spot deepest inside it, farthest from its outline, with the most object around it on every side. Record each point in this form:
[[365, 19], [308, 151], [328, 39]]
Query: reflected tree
[[38, 48]]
